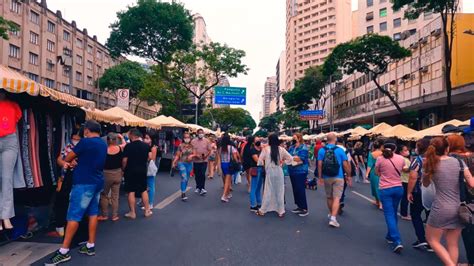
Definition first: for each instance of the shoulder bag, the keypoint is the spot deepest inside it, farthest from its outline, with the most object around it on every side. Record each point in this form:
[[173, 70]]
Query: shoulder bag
[[466, 208]]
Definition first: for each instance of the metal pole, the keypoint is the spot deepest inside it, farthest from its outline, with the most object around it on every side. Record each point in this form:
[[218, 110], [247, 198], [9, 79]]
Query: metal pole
[[197, 107], [331, 122]]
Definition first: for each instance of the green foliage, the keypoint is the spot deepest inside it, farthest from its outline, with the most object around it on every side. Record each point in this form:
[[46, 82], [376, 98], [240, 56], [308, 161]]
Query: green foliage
[[261, 133], [370, 54], [127, 75], [307, 89], [151, 29], [416, 8], [5, 27], [291, 120], [271, 123], [233, 119]]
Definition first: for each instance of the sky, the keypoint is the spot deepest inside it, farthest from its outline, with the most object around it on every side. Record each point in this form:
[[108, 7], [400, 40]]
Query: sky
[[255, 26]]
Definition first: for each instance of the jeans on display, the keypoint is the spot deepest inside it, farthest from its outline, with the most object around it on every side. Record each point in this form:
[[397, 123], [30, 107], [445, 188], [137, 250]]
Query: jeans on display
[[299, 189], [256, 189], [404, 202], [8, 157], [185, 173], [151, 183], [200, 174], [416, 208], [390, 198]]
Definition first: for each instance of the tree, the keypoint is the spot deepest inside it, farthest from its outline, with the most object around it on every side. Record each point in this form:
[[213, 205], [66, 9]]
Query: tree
[[307, 89], [370, 54], [447, 10], [127, 75], [6, 26], [291, 120], [229, 119], [271, 123], [153, 30]]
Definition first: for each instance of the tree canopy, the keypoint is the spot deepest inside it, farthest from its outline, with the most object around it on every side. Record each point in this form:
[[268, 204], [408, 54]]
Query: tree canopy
[[308, 89], [127, 75], [151, 29], [229, 119], [271, 123], [5, 27]]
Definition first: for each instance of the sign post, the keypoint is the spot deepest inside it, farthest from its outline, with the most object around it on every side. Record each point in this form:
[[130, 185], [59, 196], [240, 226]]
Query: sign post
[[123, 98], [230, 95]]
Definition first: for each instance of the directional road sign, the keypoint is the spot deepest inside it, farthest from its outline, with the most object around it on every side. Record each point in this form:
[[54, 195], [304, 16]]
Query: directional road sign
[[234, 100], [230, 95], [311, 115]]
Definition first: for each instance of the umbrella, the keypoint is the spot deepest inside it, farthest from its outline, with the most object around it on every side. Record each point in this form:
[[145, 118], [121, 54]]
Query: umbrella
[[399, 131]]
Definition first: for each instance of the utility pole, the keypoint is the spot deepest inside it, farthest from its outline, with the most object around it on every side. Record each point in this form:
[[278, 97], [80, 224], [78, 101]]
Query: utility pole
[[331, 111]]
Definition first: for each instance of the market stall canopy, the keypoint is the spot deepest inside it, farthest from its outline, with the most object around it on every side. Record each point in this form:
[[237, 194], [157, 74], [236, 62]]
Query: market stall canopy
[[343, 133], [358, 132], [14, 82], [399, 131], [433, 131], [194, 128], [101, 116], [379, 129], [306, 137], [285, 137], [167, 121], [128, 118]]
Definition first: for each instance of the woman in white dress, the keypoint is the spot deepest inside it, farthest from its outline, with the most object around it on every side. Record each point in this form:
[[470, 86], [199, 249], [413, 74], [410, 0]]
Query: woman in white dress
[[273, 157]]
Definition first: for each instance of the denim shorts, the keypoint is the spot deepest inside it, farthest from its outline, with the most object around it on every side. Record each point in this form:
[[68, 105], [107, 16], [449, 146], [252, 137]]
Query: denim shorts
[[84, 199]]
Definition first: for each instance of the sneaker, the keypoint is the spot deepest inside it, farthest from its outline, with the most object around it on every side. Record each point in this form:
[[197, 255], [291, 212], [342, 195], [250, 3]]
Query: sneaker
[[398, 249], [429, 248], [224, 199], [203, 192], [389, 241], [229, 196], [58, 258], [197, 190], [151, 207], [303, 213], [254, 209], [334, 223], [184, 197], [259, 206], [87, 251], [419, 244], [297, 211]]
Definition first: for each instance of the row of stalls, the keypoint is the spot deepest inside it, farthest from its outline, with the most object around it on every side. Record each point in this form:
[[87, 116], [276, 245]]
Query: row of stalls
[[48, 119]]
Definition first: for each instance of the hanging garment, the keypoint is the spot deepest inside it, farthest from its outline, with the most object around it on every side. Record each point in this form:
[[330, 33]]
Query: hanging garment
[[8, 158], [43, 151], [32, 149], [18, 175], [25, 153]]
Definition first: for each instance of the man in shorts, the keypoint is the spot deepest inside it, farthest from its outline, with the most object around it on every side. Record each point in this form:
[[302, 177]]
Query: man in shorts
[[332, 158], [88, 182]]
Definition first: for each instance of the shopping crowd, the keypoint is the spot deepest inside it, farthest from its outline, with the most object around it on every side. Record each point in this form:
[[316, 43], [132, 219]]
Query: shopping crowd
[[431, 180]]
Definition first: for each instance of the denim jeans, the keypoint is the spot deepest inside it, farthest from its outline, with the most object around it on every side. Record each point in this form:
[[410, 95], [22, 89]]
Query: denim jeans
[[256, 189], [150, 180], [8, 157], [84, 199], [390, 198], [416, 208], [185, 173], [299, 189], [200, 174]]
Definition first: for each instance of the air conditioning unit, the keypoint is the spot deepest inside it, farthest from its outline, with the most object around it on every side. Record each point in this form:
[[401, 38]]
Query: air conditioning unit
[[414, 45], [424, 40], [424, 69], [405, 35], [406, 77], [393, 82], [432, 119], [436, 33]]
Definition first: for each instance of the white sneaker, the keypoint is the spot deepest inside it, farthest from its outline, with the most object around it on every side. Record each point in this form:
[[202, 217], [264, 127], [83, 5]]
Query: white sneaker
[[229, 196], [224, 199], [334, 223], [197, 190], [203, 192]]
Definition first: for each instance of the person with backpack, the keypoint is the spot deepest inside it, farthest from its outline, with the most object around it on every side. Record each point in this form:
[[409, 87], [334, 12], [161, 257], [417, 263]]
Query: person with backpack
[[332, 162], [414, 195]]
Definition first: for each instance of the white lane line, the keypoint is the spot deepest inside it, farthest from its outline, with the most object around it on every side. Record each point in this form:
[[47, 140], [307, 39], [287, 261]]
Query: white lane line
[[170, 199], [364, 197]]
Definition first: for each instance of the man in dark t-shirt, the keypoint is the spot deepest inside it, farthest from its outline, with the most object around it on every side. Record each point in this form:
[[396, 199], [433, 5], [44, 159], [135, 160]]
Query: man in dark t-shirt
[[135, 165]]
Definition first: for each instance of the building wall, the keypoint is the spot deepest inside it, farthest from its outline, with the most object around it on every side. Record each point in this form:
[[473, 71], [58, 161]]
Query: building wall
[[281, 77], [269, 96]]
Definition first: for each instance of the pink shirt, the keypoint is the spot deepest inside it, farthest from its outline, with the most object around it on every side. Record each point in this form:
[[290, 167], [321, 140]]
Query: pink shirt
[[389, 177]]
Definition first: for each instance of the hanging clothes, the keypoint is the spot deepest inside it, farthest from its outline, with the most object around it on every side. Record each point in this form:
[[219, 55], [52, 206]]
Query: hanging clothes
[[25, 154]]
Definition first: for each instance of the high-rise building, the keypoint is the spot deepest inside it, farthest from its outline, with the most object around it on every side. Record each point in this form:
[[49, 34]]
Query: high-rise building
[[280, 78], [313, 29], [269, 96]]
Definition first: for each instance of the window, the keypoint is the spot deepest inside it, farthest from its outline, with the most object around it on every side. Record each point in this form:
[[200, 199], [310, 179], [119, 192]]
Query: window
[[370, 29], [34, 17], [382, 1], [50, 65], [370, 3], [64, 88], [15, 32], [369, 16], [34, 59], [89, 64], [67, 51], [383, 26], [78, 76], [34, 37], [14, 51], [51, 27], [66, 35], [383, 12], [89, 49], [412, 31], [49, 83], [90, 81], [33, 77], [397, 36], [79, 43], [50, 46], [79, 60], [65, 71], [99, 54], [397, 22], [15, 6]]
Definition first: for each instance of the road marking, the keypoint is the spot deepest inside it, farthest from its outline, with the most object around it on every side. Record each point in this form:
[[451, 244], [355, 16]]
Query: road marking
[[170, 199], [364, 197]]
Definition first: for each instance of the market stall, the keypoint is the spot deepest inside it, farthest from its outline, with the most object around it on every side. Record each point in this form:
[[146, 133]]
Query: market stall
[[399, 131], [433, 131]]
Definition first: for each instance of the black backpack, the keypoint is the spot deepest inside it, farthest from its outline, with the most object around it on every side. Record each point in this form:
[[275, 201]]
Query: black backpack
[[331, 165]]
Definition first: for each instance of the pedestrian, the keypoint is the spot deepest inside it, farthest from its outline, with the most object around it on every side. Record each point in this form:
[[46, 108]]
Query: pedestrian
[[443, 220], [371, 174], [247, 160], [88, 182], [389, 167], [414, 194], [228, 157], [152, 168], [348, 175], [183, 159], [113, 178], [212, 159], [272, 157], [202, 150], [405, 153], [135, 165], [360, 162], [298, 171], [332, 162], [457, 149], [256, 177]]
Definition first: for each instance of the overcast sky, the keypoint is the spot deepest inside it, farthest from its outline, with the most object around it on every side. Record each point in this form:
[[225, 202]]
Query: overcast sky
[[255, 26]]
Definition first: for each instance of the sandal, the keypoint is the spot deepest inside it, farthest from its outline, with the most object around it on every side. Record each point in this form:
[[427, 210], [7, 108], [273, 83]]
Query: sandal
[[282, 215], [259, 213], [102, 218], [115, 218], [130, 215], [148, 213]]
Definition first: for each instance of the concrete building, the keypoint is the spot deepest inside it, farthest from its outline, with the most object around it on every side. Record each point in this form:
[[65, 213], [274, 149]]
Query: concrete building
[[313, 29], [280, 78], [223, 81], [55, 52], [418, 83], [269, 96]]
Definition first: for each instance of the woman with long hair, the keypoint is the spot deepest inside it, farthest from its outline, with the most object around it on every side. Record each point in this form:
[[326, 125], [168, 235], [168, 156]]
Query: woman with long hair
[[457, 149], [272, 158], [371, 174], [227, 152], [443, 220], [212, 159], [151, 178], [299, 173], [183, 160]]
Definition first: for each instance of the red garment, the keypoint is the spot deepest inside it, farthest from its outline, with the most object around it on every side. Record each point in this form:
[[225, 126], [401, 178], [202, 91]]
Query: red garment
[[177, 142], [317, 147], [10, 114]]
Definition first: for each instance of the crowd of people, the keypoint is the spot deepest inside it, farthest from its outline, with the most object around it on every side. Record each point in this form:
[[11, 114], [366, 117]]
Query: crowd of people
[[400, 179]]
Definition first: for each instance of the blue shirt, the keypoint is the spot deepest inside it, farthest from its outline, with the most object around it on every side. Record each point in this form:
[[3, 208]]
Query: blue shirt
[[302, 152], [340, 156], [91, 154]]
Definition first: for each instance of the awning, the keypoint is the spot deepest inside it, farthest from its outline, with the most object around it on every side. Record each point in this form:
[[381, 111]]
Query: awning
[[194, 128], [167, 121], [379, 129], [101, 116], [128, 118], [399, 131], [14, 82], [433, 131]]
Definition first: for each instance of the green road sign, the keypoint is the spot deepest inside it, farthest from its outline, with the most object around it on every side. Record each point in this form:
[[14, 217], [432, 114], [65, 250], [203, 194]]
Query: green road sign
[[230, 91]]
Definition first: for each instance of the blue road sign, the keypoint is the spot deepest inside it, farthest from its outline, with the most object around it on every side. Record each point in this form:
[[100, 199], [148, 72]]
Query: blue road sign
[[234, 100], [312, 113]]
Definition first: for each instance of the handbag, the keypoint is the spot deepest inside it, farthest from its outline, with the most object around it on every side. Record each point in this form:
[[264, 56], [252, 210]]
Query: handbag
[[152, 169], [234, 166], [466, 208], [253, 171]]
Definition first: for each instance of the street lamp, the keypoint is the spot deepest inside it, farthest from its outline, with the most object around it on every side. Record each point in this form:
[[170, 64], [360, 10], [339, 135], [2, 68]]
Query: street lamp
[[470, 32]]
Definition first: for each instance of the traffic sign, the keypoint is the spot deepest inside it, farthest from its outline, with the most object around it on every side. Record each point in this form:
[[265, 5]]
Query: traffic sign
[[230, 91], [234, 100], [123, 98], [230, 95], [309, 115]]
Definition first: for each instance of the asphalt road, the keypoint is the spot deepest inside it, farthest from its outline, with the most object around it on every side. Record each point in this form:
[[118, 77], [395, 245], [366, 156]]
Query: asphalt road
[[204, 231]]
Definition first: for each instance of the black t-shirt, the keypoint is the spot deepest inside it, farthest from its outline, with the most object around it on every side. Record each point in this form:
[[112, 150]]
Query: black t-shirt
[[137, 154], [114, 161], [359, 152], [253, 152], [246, 154]]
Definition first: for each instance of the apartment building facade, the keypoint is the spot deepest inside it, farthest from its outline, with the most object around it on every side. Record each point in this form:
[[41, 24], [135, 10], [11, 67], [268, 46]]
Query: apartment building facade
[[313, 29], [269, 96], [280, 78]]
